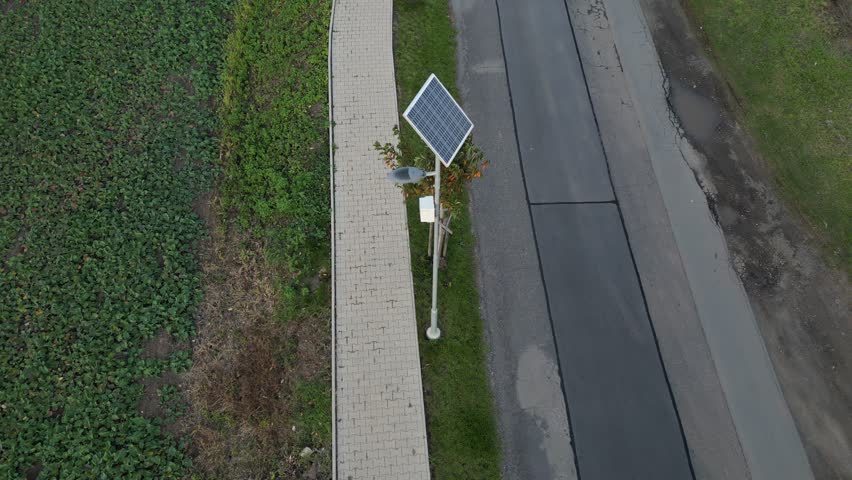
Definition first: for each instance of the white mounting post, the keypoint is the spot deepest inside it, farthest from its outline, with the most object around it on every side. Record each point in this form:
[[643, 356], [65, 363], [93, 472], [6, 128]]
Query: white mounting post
[[433, 332]]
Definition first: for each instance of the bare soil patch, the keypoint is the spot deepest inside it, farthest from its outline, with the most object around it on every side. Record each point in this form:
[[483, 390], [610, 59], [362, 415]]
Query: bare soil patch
[[161, 346], [184, 82], [842, 11], [150, 405], [317, 110], [17, 248], [11, 5], [203, 207], [33, 472]]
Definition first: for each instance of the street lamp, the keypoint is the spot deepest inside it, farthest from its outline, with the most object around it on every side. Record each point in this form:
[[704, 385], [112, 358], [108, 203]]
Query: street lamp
[[413, 175], [442, 124]]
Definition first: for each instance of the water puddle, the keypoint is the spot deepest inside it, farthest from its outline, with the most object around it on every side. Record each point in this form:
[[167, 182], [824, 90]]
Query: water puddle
[[698, 115]]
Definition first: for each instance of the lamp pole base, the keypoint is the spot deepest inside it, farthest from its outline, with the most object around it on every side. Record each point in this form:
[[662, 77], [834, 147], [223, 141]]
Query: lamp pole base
[[433, 332]]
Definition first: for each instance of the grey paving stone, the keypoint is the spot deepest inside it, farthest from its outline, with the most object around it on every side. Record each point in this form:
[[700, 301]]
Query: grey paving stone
[[380, 430]]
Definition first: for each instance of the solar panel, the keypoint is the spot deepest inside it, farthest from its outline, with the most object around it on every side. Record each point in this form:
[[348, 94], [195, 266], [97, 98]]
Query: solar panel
[[438, 119]]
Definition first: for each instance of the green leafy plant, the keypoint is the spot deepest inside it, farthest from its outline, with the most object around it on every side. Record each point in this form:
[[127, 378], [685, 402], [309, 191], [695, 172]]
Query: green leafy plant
[[107, 135], [468, 165]]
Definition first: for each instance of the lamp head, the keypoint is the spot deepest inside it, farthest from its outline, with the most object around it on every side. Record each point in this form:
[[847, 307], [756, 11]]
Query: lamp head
[[406, 175]]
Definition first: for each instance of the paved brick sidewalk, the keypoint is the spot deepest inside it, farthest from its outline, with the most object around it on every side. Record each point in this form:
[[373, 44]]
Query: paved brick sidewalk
[[380, 429]]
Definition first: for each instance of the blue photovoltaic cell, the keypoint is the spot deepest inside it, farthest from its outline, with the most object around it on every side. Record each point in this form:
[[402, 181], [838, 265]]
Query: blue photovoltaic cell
[[438, 119]]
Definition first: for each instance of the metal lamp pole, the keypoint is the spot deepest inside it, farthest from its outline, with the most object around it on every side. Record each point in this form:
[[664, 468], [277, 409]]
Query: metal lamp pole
[[404, 175], [433, 332]]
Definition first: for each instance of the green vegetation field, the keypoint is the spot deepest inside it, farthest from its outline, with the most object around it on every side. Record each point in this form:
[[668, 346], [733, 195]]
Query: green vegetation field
[[790, 62], [463, 441], [105, 140], [116, 120]]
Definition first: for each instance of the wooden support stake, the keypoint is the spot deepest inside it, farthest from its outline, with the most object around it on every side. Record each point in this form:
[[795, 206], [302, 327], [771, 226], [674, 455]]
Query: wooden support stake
[[446, 232]]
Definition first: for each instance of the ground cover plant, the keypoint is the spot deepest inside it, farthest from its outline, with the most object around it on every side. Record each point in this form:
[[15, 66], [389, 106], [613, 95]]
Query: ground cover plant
[[107, 134], [789, 62], [463, 441], [115, 122]]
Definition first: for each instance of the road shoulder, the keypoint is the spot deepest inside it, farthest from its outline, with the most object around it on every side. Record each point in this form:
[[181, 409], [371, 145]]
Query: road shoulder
[[767, 433], [801, 304]]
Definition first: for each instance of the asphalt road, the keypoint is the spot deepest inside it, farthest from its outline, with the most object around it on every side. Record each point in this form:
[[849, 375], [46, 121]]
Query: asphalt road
[[559, 143], [602, 278], [623, 419]]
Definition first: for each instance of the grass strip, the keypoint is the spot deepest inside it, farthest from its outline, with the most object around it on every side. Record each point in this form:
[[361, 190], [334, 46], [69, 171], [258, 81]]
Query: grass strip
[[275, 109], [260, 388], [463, 442], [790, 62]]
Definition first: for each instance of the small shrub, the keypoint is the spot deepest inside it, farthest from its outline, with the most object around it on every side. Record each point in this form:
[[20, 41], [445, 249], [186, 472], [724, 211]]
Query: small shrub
[[468, 165]]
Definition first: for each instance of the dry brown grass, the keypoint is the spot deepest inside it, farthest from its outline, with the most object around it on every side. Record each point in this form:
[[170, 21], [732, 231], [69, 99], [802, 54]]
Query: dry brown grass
[[247, 363]]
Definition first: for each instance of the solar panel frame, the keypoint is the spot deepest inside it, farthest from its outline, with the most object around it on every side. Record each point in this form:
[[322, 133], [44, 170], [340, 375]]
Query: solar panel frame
[[432, 114]]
